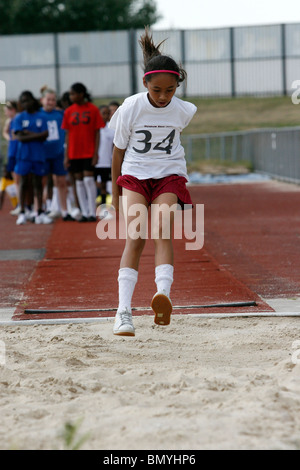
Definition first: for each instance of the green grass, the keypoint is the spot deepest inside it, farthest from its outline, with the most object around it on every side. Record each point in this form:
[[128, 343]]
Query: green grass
[[235, 114], [228, 114]]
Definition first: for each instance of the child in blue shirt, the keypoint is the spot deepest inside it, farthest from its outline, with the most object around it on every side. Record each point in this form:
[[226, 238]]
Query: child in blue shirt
[[30, 129], [11, 111], [54, 149]]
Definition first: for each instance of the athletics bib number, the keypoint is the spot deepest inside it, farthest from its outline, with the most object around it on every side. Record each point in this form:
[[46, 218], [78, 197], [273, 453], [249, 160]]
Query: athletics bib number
[[52, 131], [161, 146], [83, 118]]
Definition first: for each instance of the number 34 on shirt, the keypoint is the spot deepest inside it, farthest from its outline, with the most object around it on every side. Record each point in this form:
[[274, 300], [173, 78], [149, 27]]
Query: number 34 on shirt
[[164, 146]]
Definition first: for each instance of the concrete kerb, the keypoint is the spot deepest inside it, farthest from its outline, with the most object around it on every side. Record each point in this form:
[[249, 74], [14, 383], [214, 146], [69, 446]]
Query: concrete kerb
[[62, 321]]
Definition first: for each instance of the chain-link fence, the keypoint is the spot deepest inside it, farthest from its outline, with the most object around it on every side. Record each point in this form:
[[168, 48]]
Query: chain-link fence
[[247, 60], [274, 151]]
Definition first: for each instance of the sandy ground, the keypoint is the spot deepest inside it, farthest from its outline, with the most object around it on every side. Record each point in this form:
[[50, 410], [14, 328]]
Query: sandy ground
[[200, 383]]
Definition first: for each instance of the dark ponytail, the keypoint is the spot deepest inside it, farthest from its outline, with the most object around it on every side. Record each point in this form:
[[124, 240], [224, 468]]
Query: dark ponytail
[[80, 88], [155, 60]]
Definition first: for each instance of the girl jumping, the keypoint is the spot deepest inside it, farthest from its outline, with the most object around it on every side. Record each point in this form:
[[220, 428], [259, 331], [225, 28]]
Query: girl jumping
[[149, 168]]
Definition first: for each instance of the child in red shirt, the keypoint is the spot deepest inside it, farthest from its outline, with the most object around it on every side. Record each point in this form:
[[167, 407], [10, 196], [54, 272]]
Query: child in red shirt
[[82, 121]]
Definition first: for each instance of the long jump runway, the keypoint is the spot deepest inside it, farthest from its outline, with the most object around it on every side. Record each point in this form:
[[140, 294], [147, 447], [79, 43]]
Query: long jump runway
[[251, 252]]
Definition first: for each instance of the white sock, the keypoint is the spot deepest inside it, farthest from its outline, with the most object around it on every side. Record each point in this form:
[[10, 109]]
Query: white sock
[[82, 198], [70, 199], [48, 205], [127, 280], [164, 277], [55, 205], [91, 191]]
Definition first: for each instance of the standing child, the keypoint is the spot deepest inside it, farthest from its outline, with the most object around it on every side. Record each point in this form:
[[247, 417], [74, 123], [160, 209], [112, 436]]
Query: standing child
[[8, 186], [103, 167], [150, 167], [11, 110], [54, 149], [82, 121], [113, 106], [30, 129]]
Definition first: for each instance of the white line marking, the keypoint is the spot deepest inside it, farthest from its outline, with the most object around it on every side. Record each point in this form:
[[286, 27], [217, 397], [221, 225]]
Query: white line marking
[[6, 314], [61, 321]]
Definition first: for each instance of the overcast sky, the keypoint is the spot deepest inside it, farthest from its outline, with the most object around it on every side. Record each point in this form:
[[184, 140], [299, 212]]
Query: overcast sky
[[197, 14]]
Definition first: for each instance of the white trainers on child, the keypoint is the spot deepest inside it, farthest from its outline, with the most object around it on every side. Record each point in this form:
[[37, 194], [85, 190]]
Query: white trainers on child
[[21, 220], [162, 308], [16, 211], [43, 219], [123, 325]]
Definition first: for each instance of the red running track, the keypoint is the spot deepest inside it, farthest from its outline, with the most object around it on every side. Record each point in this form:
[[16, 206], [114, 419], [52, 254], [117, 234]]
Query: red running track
[[251, 251]]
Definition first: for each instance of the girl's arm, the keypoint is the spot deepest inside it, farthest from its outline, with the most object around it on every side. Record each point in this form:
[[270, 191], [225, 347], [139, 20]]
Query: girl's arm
[[66, 159], [5, 132], [117, 159], [28, 136], [97, 142]]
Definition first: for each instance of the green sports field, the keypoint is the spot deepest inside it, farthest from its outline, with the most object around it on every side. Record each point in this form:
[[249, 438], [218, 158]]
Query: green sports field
[[235, 114], [229, 114]]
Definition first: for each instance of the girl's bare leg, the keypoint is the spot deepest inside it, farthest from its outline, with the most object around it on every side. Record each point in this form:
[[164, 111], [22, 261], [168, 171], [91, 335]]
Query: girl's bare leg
[[163, 226], [162, 219], [60, 181], [133, 246], [128, 272]]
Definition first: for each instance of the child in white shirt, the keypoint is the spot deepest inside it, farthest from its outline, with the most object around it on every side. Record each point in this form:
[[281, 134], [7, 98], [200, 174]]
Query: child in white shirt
[[149, 165]]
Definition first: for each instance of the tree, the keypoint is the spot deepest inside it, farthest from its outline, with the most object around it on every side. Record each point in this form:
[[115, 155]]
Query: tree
[[47, 16], [5, 15]]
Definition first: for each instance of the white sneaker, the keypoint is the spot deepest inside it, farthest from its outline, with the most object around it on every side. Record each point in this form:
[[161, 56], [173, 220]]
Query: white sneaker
[[123, 324], [21, 220], [43, 219], [54, 214], [30, 215], [47, 219], [75, 213], [162, 308], [16, 211]]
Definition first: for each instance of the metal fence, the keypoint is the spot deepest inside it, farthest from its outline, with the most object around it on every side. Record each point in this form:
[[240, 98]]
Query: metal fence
[[274, 151], [254, 60]]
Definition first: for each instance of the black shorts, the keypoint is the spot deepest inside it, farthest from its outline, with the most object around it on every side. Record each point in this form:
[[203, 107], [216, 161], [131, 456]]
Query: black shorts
[[78, 165], [105, 174]]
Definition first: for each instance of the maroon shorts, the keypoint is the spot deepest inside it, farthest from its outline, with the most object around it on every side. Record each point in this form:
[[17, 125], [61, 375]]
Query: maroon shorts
[[151, 188]]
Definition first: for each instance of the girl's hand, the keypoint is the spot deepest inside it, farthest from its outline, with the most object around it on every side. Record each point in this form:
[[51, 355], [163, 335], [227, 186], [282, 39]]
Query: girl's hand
[[95, 159], [117, 159], [115, 202], [27, 136]]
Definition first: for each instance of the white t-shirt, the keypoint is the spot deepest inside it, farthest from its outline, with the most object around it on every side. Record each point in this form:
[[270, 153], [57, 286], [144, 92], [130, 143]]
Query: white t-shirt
[[151, 136], [106, 147]]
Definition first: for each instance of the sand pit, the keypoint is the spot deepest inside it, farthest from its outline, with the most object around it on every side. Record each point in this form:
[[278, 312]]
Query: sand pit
[[200, 383]]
